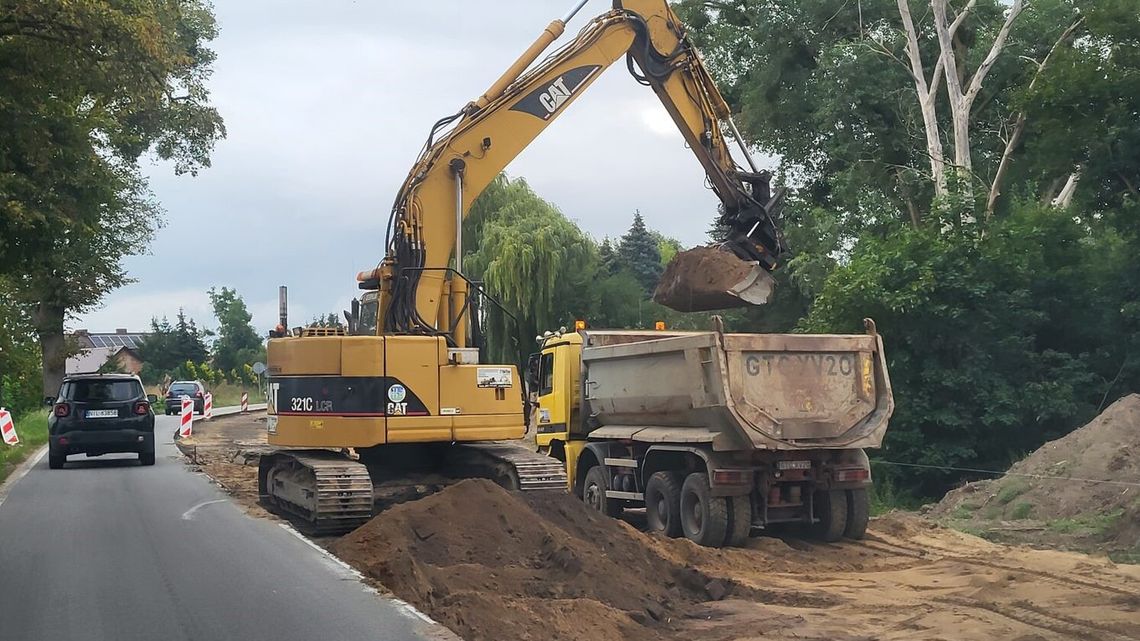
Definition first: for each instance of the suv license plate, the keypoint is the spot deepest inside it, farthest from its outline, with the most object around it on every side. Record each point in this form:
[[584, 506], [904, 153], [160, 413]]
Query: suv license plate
[[102, 413]]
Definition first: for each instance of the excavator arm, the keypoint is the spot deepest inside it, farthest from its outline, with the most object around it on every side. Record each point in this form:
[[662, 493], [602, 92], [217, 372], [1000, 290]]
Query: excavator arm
[[419, 293]]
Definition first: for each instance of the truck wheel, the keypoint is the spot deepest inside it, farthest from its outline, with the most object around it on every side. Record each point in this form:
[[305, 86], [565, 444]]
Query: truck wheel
[[663, 503], [858, 512], [56, 461], [594, 493], [831, 510], [704, 518], [740, 520]]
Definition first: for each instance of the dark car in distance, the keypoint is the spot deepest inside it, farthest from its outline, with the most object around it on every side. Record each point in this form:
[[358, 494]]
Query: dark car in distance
[[98, 414], [194, 389]]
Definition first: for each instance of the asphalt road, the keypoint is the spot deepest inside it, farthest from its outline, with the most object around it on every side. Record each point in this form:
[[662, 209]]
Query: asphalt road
[[106, 549]]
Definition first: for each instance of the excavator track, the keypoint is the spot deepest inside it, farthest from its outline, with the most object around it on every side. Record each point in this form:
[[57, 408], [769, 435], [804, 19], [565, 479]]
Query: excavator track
[[326, 492], [512, 465]]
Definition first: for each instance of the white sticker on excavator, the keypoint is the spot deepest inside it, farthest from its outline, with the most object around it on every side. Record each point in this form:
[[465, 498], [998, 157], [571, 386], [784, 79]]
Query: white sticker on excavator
[[494, 377]]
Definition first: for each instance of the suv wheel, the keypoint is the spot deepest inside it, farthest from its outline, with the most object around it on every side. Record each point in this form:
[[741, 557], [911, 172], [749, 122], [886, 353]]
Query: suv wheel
[[56, 461], [147, 457]]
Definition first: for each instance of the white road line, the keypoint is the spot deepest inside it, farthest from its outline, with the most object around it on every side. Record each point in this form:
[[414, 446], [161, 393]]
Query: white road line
[[352, 572], [188, 515], [24, 468], [407, 608]]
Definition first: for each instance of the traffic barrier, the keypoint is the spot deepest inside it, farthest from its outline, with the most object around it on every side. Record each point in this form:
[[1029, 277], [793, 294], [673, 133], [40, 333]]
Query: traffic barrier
[[187, 427], [8, 427], [244, 402], [208, 406]]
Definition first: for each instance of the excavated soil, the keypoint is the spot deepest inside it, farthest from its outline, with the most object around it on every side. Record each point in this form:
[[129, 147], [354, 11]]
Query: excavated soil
[[1079, 492], [699, 279], [491, 564]]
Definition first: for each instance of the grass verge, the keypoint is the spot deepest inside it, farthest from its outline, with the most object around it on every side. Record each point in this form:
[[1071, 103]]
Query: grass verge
[[32, 428]]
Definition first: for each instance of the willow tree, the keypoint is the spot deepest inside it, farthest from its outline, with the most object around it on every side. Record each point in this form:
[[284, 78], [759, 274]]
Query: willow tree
[[532, 260]]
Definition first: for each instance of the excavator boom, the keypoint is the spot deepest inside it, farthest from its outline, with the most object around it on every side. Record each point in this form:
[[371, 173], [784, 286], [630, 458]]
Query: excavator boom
[[467, 150]]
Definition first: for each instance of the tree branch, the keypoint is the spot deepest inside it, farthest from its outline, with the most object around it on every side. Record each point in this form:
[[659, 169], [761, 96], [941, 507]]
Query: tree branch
[[1019, 126], [995, 51]]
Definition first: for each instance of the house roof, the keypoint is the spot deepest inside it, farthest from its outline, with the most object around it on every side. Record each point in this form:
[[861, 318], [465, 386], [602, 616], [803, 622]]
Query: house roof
[[90, 360]]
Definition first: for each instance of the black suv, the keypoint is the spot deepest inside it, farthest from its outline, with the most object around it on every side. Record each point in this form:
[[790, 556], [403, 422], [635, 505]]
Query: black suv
[[194, 389], [97, 414]]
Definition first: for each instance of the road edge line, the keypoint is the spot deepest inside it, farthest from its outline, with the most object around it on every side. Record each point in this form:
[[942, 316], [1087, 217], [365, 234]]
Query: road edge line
[[407, 609], [21, 471]]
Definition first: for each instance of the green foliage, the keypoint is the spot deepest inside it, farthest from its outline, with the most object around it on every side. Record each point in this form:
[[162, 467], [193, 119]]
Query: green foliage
[[640, 254], [237, 342], [1012, 489], [1086, 524], [168, 346], [1021, 511], [996, 342], [537, 263], [20, 374], [89, 87], [32, 428]]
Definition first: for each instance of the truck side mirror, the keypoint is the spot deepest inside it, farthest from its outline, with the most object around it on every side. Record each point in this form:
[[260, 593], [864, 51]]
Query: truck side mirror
[[532, 364]]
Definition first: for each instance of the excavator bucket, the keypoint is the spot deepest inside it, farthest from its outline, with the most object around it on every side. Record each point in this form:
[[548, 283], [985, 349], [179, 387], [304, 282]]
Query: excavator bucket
[[708, 278]]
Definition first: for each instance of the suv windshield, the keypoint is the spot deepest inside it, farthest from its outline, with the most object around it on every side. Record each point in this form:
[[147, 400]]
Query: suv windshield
[[97, 391], [183, 388]]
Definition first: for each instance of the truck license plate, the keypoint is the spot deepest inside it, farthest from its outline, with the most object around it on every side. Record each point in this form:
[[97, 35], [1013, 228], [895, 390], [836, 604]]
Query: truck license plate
[[102, 414], [793, 465]]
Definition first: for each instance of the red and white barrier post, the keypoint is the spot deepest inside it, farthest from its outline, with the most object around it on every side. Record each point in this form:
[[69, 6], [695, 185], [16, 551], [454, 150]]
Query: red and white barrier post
[[8, 427], [208, 406], [244, 402], [187, 427]]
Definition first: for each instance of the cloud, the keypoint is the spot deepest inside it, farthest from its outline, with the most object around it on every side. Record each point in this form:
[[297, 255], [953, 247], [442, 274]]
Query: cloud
[[327, 105]]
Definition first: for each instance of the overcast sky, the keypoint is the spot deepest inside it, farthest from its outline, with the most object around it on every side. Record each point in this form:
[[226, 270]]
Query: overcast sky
[[326, 106]]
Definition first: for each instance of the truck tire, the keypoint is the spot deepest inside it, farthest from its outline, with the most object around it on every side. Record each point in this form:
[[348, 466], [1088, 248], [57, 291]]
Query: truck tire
[[594, 493], [858, 513], [740, 520], [831, 510], [704, 518], [663, 503]]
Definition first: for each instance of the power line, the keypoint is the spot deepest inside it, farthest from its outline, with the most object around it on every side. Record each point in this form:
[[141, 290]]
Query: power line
[[1042, 477]]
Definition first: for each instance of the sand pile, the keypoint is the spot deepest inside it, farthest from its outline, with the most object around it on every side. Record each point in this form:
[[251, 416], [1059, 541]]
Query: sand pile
[[496, 565], [699, 279], [1055, 491]]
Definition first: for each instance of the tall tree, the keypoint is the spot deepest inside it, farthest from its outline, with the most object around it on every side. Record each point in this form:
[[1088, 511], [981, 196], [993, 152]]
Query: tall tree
[[89, 87], [169, 346], [238, 343], [533, 260], [640, 253]]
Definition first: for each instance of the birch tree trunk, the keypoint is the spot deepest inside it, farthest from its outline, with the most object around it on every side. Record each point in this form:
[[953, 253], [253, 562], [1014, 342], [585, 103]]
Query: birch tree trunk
[[962, 99]]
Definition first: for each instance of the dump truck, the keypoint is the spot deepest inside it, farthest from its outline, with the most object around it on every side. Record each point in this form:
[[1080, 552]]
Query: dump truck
[[713, 433]]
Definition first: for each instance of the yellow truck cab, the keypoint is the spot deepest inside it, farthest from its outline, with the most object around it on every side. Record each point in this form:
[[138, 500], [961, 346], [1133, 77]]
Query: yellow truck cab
[[715, 433]]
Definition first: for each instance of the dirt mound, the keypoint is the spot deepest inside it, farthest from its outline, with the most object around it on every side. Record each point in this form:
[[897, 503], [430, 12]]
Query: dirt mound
[[699, 279], [1081, 491], [497, 565]]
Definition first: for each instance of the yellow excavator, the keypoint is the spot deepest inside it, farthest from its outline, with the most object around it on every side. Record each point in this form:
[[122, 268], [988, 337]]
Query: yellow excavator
[[403, 387]]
